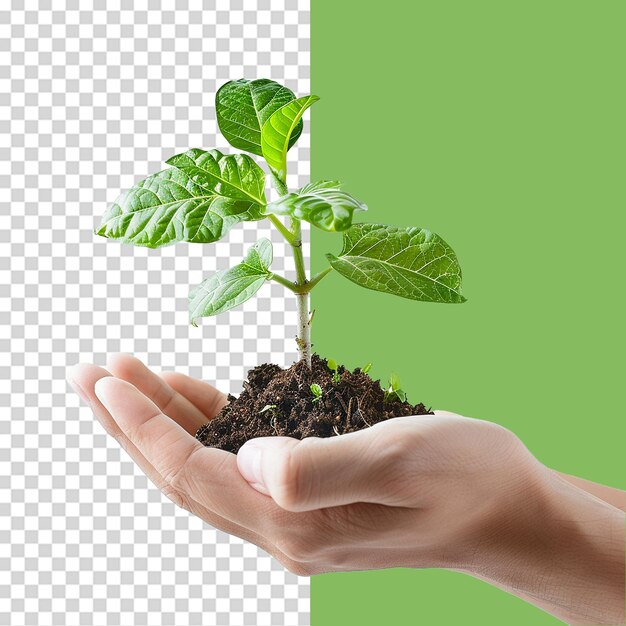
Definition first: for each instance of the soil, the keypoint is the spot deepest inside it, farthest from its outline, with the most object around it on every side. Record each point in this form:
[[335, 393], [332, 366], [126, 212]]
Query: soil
[[277, 401]]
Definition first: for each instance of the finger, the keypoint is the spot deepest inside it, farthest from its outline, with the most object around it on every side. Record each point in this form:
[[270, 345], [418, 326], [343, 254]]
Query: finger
[[190, 471], [365, 466], [166, 444], [83, 378], [169, 401], [201, 394]]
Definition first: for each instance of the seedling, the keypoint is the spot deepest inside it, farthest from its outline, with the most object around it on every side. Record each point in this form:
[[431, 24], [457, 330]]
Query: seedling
[[334, 368], [268, 407], [317, 392], [394, 391], [366, 368], [205, 193]]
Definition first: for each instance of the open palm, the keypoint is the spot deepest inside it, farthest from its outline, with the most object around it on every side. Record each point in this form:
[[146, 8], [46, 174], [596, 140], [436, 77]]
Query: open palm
[[154, 419]]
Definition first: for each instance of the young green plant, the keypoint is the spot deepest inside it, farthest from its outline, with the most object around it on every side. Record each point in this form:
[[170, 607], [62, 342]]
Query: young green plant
[[334, 368], [394, 391], [317, 392], [205, 193], [268, 407]]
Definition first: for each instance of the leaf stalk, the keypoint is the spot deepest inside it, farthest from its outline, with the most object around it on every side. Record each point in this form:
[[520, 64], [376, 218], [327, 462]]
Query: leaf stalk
[[285, 282], [282, 229], [316, 279]]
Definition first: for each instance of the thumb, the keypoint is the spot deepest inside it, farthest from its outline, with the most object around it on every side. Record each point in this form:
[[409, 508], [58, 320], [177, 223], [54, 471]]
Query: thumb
[[314, 473]]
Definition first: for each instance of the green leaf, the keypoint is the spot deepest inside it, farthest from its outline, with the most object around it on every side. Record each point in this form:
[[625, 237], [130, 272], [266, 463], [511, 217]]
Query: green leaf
[[394, 392], [230, 288], [243, 106], [322, 204], [317, 392], [332, 365], [234, 176], [277, 133], [394, 382], [170, 206], [408, 262]]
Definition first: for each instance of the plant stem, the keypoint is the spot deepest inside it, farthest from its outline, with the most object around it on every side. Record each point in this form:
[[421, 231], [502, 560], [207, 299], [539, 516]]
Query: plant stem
[[304, 326], [298, 256], [303, 338]]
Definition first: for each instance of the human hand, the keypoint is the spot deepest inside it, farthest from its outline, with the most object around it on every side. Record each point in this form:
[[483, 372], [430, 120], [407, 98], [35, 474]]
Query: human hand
[[434, 491], [154, 418], [460, 494]]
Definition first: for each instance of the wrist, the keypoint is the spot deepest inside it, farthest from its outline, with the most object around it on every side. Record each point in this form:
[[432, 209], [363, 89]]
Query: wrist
[[560, 548]]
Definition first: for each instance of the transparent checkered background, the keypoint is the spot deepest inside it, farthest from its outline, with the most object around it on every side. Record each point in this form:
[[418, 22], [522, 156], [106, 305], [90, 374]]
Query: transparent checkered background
[[94, 95]]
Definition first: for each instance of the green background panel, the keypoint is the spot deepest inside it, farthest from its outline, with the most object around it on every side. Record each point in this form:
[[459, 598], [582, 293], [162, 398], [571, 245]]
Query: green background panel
[[498, 125]]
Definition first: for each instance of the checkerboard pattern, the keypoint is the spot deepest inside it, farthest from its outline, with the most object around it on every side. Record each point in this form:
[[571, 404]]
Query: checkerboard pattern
[[94, 95]]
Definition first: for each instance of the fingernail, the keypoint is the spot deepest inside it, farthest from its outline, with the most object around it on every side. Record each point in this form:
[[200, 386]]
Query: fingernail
[[249, 464]]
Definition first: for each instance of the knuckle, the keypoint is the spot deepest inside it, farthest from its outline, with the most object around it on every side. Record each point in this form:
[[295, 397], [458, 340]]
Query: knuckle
[[178, 477], [140, 433], [178, 497], [176, 483], [506, 444], [290, 485], [502, 434], [397, 452], [397, 469]]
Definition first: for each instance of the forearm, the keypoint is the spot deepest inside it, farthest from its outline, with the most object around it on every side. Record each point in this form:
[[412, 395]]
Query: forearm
[[613, 496], [564, 554]]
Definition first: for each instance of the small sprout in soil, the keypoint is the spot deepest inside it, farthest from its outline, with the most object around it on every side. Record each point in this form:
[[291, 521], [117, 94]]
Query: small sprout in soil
[[357, 405], [268, 407], [366, 368], [394, 391], [334, 368], [317, 392]]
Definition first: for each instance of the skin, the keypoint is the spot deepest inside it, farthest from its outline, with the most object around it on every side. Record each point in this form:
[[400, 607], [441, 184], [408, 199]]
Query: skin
[[438, 491]]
